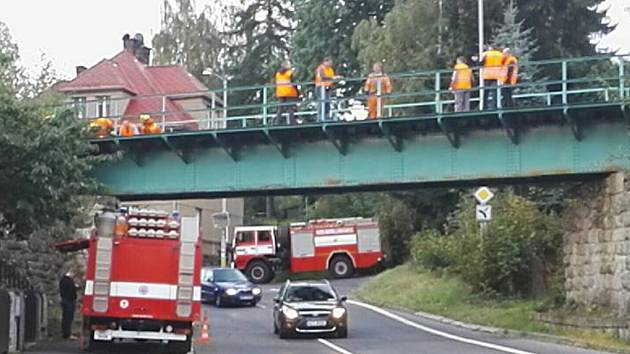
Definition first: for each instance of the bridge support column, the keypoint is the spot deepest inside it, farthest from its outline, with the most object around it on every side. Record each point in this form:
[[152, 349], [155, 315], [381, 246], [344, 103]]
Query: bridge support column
[[597, 246]]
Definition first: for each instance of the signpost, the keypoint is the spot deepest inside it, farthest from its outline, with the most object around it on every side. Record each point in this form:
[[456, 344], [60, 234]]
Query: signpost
[[483, 212], [222, 221]]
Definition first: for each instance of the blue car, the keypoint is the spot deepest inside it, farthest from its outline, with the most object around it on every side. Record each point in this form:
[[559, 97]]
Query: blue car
[[227, 286]]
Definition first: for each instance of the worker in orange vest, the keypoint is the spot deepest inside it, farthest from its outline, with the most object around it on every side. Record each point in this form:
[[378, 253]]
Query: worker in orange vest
[[324, 81], [491, 73], [510, 77], [102, 127], [376, 85], [127, 129], [461, 83], [149, 126], [286, 93]]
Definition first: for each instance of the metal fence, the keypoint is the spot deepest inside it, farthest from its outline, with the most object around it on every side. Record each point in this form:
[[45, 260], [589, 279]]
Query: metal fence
[[23, 317], [557, 83]]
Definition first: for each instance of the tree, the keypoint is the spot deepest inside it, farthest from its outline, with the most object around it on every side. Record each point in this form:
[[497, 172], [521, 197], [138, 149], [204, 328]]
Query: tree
[[325, 27], [261, 40], [188, 39], [12, 76], [512, 34]]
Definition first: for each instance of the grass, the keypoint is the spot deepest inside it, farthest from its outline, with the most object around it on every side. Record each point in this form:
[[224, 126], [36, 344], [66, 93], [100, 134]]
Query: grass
[[419, 290]]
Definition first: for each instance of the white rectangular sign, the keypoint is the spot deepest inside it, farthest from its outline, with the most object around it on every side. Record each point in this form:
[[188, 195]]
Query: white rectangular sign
[[484, 212]]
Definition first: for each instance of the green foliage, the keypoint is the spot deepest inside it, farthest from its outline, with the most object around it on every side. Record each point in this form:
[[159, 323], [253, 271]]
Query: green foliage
[[346, 205], [45, 165], [512, 34], [396, 222], [189, 39], [432, 250], [260, 39], [325, 27], [405, 41], [502, 260]]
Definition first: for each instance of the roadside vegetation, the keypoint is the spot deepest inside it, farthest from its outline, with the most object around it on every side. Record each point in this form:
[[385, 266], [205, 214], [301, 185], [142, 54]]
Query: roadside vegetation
[[499, 275], [412, 288]]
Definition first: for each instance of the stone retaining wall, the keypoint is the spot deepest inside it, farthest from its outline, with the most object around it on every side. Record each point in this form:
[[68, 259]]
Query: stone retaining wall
[[597, 246]]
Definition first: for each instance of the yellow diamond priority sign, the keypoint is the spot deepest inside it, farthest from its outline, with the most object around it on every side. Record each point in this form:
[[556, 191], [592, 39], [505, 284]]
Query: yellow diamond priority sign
[[484, 195]]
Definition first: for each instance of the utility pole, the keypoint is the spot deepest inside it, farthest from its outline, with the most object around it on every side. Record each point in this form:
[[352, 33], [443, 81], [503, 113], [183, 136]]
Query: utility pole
[[481, 42]]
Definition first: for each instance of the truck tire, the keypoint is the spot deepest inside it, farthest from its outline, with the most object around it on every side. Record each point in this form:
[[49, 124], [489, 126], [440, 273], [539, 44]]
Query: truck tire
[[259, 272], [341, 267], [179, 347]]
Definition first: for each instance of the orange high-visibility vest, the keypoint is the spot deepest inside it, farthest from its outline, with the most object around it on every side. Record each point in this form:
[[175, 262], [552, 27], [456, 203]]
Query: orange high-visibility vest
[[284, 86], [324, 76], [372, 83], [151, 128], [462, 77], [102, 127], [492, 65], [510, 70], [127, 130]]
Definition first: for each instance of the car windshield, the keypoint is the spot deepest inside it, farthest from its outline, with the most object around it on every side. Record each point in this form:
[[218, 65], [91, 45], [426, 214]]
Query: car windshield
[[300, 293], [228, 276]]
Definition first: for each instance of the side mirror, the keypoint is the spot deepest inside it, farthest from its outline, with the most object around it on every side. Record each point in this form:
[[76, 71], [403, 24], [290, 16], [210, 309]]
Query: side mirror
[[276, 300], [344, 299]]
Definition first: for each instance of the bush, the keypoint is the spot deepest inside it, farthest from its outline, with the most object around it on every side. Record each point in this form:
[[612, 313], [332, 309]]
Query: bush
[[396, 222], [519, 247], [432, 250]]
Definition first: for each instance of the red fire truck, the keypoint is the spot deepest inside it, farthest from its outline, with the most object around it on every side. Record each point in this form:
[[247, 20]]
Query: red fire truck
[[337, 245], [142, 280]]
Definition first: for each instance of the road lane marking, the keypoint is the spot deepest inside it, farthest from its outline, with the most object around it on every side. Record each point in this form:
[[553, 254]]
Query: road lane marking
[[261, 306], [436, 332], [336, 348]]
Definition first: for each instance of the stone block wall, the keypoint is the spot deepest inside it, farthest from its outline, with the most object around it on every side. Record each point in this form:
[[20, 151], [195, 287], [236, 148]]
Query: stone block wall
[[597, 246]]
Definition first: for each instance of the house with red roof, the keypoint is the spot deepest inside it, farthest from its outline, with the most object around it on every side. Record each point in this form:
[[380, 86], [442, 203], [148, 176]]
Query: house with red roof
[[126, 86]]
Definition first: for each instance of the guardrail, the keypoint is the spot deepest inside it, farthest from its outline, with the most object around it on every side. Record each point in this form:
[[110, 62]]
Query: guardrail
[[565, 82]]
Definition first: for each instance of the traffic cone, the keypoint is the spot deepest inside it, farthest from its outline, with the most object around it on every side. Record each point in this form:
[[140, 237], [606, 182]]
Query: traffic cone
[[204, 338]]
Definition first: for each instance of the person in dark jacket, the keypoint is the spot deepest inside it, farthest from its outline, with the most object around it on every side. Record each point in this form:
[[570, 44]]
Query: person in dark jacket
[[68, 292]]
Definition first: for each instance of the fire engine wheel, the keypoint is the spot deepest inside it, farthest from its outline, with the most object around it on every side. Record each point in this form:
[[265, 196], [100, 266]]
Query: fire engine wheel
[[179, 347], [341, 267], [259, 272]]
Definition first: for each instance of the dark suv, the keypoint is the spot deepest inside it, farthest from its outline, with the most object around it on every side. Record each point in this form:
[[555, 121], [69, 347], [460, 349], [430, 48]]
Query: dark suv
[[309, 308]]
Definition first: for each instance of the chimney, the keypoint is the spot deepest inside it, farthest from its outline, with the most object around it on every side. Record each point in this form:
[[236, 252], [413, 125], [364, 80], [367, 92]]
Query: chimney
[[136, 47], [128, 43], [80, 69]]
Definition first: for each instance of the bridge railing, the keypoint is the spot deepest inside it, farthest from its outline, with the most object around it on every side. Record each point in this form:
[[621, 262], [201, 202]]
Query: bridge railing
[[542, 84]]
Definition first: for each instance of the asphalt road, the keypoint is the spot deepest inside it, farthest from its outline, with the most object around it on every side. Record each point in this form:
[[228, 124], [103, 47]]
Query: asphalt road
[[371, 331]]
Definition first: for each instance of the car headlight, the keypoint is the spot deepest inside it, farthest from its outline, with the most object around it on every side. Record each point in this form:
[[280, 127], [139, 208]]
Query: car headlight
[[290, 313], [256, 291], [231, 292], [338, 312]]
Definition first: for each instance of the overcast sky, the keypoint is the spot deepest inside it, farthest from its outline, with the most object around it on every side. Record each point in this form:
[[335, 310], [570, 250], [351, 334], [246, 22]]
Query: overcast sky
[[82, 32]]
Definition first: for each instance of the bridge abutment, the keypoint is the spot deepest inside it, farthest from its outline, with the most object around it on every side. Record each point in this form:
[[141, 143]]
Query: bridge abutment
[[597, 246]]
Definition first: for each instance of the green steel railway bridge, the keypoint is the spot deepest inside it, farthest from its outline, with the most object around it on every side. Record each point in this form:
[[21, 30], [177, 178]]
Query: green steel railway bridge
[[572, 124]]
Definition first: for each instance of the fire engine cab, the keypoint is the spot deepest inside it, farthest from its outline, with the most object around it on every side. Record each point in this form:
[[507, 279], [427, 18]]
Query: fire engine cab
[[142, 280], [339, 246]]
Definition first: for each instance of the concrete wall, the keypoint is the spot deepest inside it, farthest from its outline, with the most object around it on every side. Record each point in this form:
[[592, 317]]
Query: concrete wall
[[211, 237], [597, 246]]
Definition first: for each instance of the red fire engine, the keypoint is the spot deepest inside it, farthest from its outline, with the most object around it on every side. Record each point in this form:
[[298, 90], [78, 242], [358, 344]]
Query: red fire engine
[[337, 245], [142, 280]]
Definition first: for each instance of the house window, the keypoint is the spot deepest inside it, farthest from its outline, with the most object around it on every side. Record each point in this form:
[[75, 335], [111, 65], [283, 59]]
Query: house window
[[78, 103], [103, 106]]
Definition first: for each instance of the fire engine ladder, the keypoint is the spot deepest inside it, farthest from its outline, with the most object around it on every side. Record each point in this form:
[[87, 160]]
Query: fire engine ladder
[[102, 273], [185, 286]]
